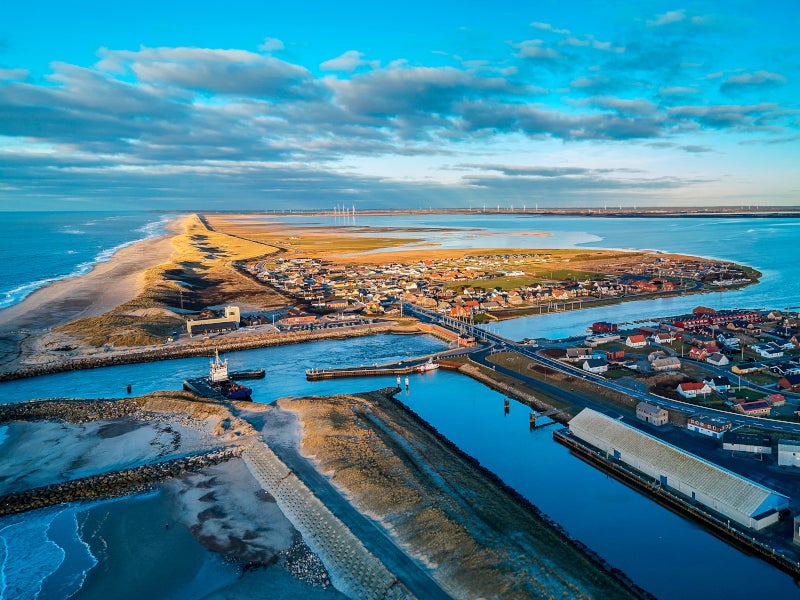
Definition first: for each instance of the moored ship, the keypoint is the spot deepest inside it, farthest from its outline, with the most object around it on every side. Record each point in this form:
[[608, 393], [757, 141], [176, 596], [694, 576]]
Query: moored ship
[[220, 381], [428, 366]]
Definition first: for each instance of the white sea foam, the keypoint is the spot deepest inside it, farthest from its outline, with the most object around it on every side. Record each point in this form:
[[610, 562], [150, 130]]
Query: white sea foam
[[29, 556], [19, 293]]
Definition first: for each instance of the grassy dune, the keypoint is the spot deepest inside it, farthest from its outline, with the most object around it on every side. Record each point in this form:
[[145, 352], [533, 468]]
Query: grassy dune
[[200, 273]]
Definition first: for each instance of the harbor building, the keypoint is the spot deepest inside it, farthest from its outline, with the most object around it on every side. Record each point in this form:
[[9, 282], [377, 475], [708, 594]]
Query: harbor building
[[736, 498], [789, 453], [229, 321], [650, 413], [746, 442], [708, 425]]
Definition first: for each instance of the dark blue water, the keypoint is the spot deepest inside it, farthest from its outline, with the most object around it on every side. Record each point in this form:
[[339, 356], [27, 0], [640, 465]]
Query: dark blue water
[[39, 248]]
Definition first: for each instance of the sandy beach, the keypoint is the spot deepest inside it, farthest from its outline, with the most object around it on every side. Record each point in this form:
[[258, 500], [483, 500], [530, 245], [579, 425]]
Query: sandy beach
[[106, 286]]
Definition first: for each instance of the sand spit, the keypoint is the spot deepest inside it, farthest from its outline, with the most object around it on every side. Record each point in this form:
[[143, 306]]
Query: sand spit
[[478, 539]]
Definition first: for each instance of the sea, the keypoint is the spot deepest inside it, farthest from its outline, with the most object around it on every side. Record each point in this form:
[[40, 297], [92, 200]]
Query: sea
[[73, 551], [37, 248]]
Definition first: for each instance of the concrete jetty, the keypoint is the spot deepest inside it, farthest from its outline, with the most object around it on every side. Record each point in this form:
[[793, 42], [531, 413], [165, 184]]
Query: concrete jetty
[[400, 368], [354, 570]]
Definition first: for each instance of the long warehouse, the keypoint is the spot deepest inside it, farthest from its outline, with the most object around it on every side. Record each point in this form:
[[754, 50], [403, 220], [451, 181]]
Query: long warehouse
[[726, 493]]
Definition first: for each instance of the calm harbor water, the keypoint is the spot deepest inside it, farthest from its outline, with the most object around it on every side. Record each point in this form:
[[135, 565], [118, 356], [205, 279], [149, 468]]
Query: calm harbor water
[[666, 554]]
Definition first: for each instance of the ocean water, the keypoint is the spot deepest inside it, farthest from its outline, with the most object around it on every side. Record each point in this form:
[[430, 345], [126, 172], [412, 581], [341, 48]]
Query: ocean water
[[40, 248]]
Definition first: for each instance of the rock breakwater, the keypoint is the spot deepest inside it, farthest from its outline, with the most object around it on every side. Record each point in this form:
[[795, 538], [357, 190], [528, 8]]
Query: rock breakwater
[[111, 484]]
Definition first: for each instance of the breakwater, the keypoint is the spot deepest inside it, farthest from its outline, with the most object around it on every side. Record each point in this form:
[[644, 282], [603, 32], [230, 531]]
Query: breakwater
[[111, 484], [354, 570], [250, 342], [69, 410]]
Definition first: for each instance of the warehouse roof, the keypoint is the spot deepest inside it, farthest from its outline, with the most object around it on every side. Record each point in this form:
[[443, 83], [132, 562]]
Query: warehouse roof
[[725, 487]]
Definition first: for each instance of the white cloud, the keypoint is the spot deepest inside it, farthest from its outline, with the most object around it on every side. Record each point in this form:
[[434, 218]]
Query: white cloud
[[271, 45], [349, 62], [549, 27], [672, 16], [13, 74]]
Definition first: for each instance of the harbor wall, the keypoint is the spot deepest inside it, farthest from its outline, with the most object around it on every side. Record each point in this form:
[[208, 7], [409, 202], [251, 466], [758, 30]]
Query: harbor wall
[[167, 352], [354, 570]]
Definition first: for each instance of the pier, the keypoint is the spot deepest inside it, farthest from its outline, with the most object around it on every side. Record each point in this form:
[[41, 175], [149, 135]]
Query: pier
[[400, 368]]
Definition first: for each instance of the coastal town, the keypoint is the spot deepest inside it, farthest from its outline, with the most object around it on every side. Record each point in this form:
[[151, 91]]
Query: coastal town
[[480, 287]]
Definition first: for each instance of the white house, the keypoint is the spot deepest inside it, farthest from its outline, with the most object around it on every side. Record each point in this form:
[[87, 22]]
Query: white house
[[596, 366], [635, 341], [768, 350], [721, 384], [663, 338], [693, 389], [717, 359]]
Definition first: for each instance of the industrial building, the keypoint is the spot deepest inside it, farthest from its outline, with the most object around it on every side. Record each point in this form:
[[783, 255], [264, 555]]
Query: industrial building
[[736, 498], [228, 322], [789, 453]]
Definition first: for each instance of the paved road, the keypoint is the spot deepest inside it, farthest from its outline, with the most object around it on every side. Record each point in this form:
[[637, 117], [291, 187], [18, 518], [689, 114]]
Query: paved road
[[409, 572], [504, 344]]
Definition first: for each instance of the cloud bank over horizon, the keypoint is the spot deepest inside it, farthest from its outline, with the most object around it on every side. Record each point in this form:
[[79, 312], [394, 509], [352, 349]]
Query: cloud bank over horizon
[[660, 107]]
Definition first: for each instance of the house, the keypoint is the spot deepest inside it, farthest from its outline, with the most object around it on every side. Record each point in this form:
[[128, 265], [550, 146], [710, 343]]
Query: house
[[663, 338], [768, 350], [717, 359], [578, 354], [698, 354], [615, 355], [777, 400], [745, 368], [708, 425], [670, 363], [635, 341], [720, 384], [757, 408], [595, 365], [693, 389], [731, 341], [650, 413], [229, 321], [790, 382]]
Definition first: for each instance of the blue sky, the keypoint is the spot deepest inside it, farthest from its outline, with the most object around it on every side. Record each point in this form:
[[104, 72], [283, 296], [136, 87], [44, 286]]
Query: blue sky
[[260, 106]]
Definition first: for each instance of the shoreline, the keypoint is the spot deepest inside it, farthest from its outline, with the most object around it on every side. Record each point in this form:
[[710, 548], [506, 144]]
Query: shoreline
[[109, 284]]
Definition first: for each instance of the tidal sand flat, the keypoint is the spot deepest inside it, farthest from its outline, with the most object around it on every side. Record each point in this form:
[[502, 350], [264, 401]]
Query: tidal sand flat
[[476, 538], [200, 531]]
